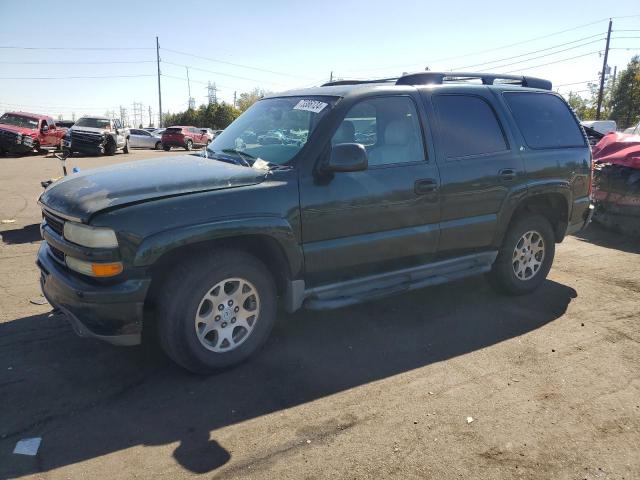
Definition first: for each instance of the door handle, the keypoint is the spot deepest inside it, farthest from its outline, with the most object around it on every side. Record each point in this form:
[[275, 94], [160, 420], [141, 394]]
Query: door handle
[[507, 174], [425, 186]]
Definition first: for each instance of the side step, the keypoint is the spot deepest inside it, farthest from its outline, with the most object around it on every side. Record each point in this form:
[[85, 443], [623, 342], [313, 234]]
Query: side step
[[351, 292]]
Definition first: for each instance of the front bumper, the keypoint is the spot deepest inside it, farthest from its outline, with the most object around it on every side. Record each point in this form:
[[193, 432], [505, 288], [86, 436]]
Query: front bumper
[[15, 143], [109, 312], [84, 142]]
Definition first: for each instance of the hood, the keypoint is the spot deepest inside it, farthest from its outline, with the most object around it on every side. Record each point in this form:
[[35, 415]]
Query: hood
[[89, 129], [80, 195], [15, 129]]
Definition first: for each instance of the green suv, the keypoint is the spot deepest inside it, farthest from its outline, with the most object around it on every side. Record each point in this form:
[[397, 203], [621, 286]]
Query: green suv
[[364, 189]]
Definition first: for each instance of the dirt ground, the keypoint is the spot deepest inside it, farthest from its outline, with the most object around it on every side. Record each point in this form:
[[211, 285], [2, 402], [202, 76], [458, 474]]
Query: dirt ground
[[382, 390]]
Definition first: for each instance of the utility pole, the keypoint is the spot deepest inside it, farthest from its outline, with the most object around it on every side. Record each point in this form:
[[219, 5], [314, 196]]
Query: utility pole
[[331, 76], [159, 88], [212, 93], [192, 102], [150, 121], [603, 73], [234, 99]]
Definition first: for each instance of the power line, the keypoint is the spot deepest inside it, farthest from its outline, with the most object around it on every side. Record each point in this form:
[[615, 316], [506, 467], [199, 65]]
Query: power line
[[233, 64], [218, 73], [74, 77], [552, 63], [537, 51], [73, 48], [76, 63], [577, 83]]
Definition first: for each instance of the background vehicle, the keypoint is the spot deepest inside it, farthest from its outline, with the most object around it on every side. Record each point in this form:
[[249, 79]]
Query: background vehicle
[[22, 132], [185, 137], [144, 139], [633, 130], [461, 179], [602, 126], [97, 135], [65, 123]]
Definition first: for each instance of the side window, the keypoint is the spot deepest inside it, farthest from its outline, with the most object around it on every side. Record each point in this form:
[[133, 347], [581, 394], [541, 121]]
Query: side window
[[544, 120], [467, 126], [388, 127]]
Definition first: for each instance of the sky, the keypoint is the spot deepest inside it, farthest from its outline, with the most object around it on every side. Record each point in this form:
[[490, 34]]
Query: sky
[[279, 45]]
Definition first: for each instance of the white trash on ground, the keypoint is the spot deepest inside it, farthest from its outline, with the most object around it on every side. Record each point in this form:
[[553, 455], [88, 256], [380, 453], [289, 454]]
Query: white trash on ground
[[28, 446]]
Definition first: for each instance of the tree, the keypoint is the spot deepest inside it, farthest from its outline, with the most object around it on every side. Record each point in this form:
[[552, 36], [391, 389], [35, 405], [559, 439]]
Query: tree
[[625, 99], [246, 99], [215, 116]]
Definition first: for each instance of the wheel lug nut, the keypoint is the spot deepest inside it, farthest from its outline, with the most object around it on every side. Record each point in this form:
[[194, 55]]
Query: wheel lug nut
[[217, 318], [233, 320], [221, 307], [230, 302], [224, 324], [237, 309]]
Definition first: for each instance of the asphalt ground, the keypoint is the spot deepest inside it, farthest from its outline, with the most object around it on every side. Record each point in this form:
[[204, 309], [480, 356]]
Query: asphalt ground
[[381, 390]]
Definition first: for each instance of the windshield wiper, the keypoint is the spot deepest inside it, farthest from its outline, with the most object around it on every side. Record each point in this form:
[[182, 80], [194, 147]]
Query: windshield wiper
[[243, 156]]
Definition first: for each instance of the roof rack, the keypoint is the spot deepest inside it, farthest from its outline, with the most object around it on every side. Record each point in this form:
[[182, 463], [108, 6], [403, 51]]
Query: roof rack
[[439, 78]]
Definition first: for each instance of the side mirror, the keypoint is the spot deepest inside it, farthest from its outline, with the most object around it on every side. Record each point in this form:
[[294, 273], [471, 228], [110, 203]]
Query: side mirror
[[347, 157]]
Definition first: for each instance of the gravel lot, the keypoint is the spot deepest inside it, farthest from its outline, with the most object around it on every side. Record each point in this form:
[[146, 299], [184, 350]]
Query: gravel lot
[[381, 390]]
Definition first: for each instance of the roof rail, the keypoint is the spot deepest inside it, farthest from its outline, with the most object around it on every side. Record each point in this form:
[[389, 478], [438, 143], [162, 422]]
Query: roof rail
[[358, 82], [438, 78]]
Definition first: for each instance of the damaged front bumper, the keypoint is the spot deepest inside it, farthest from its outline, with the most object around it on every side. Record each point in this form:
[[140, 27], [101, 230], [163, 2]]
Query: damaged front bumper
[[13, 142], [84, 142]]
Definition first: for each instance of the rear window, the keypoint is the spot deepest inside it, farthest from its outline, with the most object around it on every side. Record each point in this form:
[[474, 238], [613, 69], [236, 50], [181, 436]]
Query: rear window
[[544, 120], [173, 130], [467, 126]]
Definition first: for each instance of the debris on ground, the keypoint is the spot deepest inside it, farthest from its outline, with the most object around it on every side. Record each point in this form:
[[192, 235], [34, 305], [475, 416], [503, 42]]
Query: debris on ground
[[616, 182], [470, 419], [28, 446], [39, 300], [9, 220]]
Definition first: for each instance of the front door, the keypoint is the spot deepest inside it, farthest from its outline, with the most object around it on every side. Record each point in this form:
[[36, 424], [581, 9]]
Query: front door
[[383, 218]]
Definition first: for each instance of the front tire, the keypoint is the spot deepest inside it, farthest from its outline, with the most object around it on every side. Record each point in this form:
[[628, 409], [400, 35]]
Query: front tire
[[125, 149], [158, 145], [216, 310], [110, 148], [166, 148], [526, 256], [188, 146]]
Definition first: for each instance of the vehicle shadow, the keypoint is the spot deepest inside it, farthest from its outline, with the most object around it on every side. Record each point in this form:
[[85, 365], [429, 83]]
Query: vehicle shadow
[[26, 234], [599, 235], [88, 399]]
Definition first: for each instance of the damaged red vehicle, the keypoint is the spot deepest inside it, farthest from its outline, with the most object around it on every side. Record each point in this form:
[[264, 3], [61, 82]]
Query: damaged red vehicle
[[22, 132], [617, 182]]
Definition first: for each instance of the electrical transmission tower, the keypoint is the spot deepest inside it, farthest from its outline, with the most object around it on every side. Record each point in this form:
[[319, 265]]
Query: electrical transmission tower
[[212, 93], [124, 116], [137, 114]]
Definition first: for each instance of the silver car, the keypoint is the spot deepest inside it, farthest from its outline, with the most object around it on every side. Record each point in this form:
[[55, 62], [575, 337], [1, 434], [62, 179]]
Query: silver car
[[142, 139]]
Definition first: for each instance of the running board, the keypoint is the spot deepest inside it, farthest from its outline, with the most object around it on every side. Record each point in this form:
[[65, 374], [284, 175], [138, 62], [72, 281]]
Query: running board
[[351, 292]]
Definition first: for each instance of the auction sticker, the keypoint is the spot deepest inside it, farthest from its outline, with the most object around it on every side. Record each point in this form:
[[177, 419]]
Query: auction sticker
[[310, 106]]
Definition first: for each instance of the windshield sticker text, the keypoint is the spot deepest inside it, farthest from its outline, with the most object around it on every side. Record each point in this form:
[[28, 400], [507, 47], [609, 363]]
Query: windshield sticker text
[[310, 106]]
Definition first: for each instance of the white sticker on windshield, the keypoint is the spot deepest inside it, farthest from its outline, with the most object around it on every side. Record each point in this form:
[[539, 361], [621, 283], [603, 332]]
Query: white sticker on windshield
[[310, 106]]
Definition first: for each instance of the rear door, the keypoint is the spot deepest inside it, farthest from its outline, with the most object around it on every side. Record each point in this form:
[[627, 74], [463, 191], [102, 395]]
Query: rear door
[[383, 218], [479, 166]]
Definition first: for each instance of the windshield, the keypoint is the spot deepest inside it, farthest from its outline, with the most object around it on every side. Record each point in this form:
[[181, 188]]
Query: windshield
[[19, 121], [93, 122], [273, 130]]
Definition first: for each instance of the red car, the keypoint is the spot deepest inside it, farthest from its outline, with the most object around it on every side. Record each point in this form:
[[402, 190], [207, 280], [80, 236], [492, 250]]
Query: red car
[[185, 137], [22, 132]]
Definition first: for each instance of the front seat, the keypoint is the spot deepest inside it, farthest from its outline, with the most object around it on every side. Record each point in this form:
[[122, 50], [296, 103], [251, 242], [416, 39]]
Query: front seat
[[399, 145]]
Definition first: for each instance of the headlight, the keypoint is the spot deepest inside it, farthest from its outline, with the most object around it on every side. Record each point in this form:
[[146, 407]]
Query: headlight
[[92, 237]]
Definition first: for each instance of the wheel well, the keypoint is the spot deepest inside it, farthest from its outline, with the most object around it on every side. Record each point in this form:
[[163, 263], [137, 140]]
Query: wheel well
[[552, 206], [263, 247]]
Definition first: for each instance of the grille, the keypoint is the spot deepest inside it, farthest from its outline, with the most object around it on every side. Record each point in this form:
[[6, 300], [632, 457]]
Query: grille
[[57, 254], [55, 223], [7, 137], [86, 139]]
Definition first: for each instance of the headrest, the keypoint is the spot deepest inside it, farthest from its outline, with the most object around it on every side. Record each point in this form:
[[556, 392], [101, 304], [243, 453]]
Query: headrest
[[346, 132], [396, 133]]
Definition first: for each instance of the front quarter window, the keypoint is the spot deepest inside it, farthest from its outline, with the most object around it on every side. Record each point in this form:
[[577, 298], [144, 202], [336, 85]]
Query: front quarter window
[[273, 130]]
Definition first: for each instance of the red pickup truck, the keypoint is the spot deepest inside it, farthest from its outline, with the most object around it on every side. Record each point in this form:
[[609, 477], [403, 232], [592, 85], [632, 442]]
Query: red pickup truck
[[22, 132]]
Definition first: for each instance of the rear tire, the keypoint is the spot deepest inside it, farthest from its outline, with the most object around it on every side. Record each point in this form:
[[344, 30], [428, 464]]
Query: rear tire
[[166, 148], [158, 145], [213, 280], [188, 145], [525, 258]]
